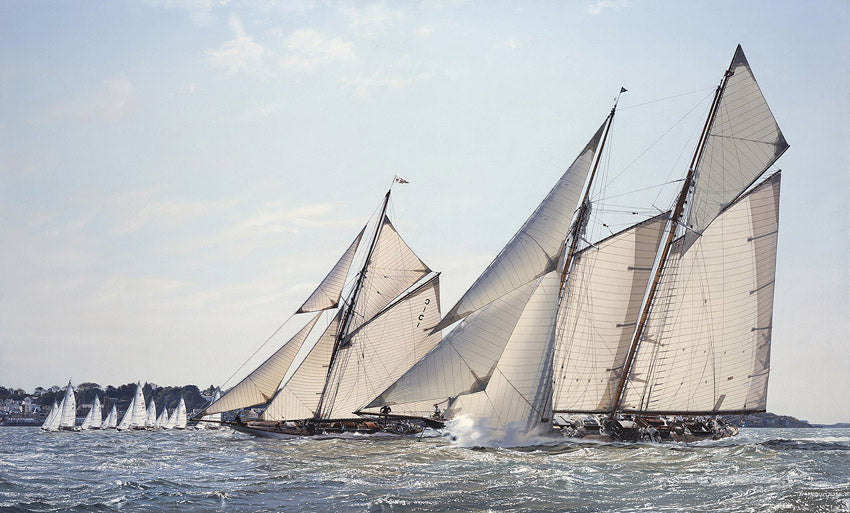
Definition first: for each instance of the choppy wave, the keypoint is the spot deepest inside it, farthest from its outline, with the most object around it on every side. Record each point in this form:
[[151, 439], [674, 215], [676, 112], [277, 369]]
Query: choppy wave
[[760, 470]]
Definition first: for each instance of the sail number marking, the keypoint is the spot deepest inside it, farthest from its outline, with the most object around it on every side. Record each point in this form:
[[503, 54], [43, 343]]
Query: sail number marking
[[422, 315]]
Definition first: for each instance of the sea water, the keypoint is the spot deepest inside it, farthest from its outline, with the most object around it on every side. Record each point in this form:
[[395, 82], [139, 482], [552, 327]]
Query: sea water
[[758, 470]]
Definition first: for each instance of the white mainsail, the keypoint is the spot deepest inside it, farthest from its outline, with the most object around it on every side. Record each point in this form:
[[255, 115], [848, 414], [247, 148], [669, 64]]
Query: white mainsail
[[68, 415], [94, 416], [537, 247], [706, 347], [601, 305], [150, 417], [382, 349], [51, 423]]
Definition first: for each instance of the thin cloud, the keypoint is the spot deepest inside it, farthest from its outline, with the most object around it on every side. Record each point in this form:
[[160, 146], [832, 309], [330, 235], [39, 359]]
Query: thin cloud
[[241, 53], [372, 20], [113, 100], [600, 5], [307, 49]]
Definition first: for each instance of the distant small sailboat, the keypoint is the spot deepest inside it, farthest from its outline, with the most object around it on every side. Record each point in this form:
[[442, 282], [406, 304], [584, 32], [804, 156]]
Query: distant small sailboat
[[94, 418], [212, 421], [68, 409], [136, 414], [111, 421], [150, 418], [162, 420], [51, 423], [178, 419]]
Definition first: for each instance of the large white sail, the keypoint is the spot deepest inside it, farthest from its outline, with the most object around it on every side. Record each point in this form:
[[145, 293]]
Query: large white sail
[[382, 350], [51, 423], [537, 247], [150, 417], [93, 417], [299, 396], [598, 313], [261, 384], [465, 359], [706, 346], [393, 268], [328, 292], [69, 409], [743, 141], [517, 397]]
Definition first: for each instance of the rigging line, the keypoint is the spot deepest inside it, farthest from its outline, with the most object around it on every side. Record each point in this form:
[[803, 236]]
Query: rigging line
[[659, 139], [645, 188], [258, 349], [667, 98]]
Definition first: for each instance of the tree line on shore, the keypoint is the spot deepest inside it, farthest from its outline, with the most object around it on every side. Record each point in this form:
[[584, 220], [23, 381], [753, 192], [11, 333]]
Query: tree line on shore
[[120, 396]]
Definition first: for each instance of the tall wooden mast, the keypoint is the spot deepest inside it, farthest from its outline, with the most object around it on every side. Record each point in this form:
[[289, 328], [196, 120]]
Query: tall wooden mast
[[345, 320], [668, 242], [581, 218]]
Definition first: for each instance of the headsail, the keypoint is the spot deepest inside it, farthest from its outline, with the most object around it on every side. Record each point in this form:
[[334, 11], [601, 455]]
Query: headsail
[[537, 247], [743, 141], [299, 396], [328, 292], [261, 385], [706, 347], [465, 359], [518, 395]]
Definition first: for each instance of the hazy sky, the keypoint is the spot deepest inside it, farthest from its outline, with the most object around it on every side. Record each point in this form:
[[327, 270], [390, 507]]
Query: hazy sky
[[176, 175]]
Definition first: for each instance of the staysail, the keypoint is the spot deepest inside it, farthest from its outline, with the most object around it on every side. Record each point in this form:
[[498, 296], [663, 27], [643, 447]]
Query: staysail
[[598, 314], [537, 247], [706, 347], [517, 396], [328, 292], [260, 386], [299, 397]]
